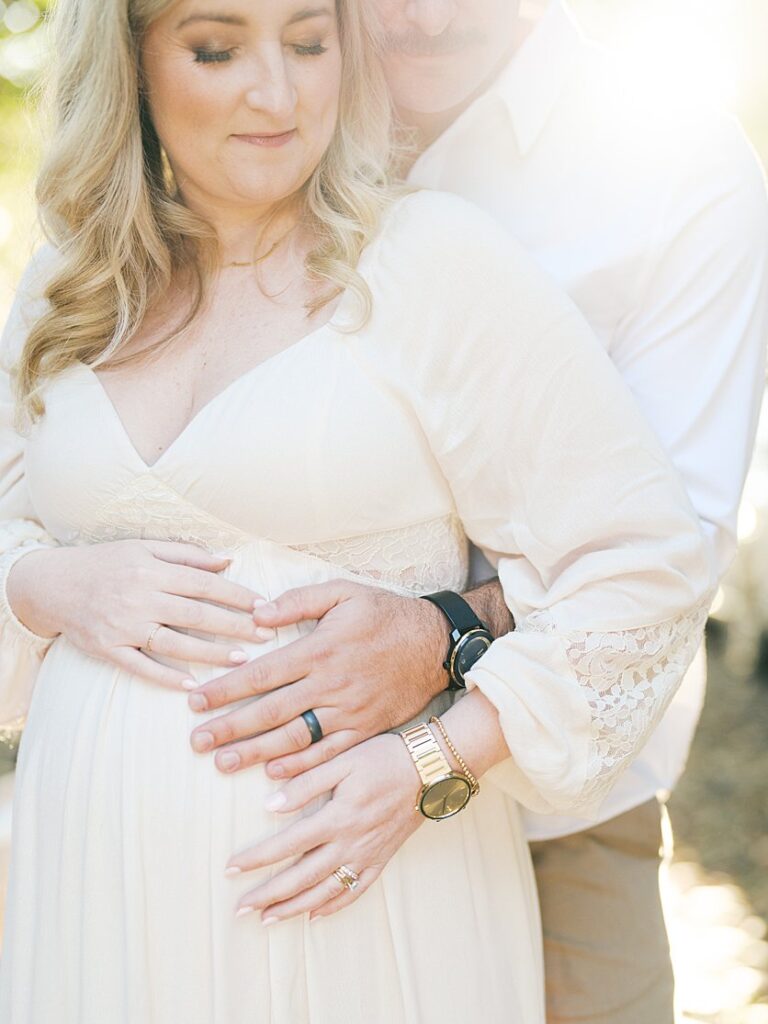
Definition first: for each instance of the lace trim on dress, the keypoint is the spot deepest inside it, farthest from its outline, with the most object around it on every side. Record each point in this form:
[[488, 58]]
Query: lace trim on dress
[[414, 559], [148, 509], [629, 678]]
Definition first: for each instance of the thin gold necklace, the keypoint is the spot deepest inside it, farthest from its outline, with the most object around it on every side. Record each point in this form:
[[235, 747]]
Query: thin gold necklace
[[253, 263]]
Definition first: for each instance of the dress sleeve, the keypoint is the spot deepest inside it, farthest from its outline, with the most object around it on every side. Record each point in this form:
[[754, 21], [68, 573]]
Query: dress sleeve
[[21, 651], [560, 482]]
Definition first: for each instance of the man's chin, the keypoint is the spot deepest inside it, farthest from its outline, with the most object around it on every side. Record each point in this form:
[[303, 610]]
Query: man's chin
[[430, 97]]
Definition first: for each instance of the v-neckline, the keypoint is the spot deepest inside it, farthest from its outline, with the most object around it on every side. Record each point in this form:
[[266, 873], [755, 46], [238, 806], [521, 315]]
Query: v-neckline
[[212, 402]]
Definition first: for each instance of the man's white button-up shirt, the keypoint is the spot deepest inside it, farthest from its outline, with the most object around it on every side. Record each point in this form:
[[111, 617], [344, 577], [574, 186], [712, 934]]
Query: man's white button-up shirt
[[653, 216]]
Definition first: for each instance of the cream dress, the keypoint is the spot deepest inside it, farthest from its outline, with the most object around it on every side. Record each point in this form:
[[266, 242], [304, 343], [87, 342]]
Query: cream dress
[[473, 404]]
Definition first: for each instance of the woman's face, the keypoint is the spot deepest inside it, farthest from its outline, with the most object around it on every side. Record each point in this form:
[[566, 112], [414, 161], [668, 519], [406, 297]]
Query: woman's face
[[244, 95]]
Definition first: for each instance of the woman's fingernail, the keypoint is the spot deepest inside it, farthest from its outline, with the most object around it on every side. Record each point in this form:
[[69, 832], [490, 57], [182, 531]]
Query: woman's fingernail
[[198, 702], [238, 657], [202, 741], [267, 921], [244, 910], [189, 684], [276, 771], [233, 871], [229, 761], [263, 633], [259, 602], [276, 801]]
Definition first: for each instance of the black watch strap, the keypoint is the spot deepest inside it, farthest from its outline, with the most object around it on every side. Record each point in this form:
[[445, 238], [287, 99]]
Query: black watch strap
[[456, 610], [463, 622]]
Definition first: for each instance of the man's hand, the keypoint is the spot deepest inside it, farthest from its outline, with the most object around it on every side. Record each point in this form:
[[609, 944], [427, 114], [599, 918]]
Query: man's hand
[[373, 662]]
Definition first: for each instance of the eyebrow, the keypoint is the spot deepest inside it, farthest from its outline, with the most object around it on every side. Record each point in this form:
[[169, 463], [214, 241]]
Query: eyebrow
[[229, 19]]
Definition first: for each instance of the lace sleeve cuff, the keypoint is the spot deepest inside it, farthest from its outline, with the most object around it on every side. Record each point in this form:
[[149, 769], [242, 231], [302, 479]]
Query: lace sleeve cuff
[[571, 733]]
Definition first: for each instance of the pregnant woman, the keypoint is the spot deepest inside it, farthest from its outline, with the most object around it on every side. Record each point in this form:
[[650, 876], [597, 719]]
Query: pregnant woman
[[246, 364]]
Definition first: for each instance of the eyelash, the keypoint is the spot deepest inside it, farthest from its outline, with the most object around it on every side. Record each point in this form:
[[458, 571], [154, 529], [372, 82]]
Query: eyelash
[[203, 56]]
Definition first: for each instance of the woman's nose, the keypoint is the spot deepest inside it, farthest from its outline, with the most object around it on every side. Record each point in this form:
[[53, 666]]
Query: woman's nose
[[271, 89], [432, 17]]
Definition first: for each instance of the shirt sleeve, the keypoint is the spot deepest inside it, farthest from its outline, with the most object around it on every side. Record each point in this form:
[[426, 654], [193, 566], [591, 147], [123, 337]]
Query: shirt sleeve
[[693, 349], [559, 480], [21, 651]]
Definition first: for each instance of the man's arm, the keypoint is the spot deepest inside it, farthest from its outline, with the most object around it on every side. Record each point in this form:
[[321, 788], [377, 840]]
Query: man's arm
[[693, 348]]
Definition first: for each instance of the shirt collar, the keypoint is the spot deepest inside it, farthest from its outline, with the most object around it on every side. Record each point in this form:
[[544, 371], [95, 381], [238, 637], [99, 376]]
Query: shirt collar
[[533, 81]]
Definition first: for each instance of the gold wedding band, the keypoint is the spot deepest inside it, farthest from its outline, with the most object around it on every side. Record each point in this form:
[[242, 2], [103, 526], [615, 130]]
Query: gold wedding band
[[348, 878], [151, 637]]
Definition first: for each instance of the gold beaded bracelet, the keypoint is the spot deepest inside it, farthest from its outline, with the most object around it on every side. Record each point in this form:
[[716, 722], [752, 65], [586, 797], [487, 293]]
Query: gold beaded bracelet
[[461, 762]]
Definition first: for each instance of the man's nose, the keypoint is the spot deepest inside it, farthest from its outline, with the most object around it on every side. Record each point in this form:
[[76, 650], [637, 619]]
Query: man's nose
[[432, 17]]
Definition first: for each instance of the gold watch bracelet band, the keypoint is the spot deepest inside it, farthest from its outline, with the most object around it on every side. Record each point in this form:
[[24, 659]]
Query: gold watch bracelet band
[[429, 760], [434, 720]]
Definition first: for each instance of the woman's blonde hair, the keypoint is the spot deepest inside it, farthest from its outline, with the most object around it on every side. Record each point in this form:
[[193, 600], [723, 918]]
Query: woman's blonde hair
[[109, 205]]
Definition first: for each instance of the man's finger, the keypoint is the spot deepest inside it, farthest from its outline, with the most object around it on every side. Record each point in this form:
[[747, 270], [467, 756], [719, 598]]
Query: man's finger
[[291, 737], [285, 665], [272, 712], [302, 604]]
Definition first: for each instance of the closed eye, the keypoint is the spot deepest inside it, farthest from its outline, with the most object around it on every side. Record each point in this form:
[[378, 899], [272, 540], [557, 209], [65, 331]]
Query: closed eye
[[203, 56], [315, 50]]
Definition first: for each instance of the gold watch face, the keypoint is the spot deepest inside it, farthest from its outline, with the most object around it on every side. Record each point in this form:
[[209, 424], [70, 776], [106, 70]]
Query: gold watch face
[[445, 797]]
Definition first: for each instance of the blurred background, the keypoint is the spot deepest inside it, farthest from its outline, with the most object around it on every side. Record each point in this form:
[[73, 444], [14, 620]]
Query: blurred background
[[717, 884]]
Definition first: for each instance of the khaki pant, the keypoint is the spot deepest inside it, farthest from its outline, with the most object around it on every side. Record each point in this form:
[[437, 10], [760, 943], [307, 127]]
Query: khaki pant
[[605, 943]]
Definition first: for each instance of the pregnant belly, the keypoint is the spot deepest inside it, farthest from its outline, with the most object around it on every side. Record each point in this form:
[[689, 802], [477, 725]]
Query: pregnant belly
[[106, 755]]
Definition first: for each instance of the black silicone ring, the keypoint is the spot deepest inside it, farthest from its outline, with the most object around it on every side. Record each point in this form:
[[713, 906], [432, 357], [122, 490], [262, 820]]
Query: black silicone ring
[[315, 729]]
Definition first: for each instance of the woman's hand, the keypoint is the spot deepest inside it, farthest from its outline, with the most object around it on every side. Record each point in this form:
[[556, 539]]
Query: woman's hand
[[372, 812], [110, 599]]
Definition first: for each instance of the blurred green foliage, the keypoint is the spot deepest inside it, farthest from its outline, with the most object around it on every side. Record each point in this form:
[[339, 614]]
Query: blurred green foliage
[[22, 37]]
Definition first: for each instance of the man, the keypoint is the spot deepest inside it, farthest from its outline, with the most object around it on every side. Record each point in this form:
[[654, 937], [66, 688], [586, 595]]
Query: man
[[655, 221]]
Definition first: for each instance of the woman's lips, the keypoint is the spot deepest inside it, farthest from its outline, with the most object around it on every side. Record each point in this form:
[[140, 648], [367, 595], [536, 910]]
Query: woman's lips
[[268, 140]]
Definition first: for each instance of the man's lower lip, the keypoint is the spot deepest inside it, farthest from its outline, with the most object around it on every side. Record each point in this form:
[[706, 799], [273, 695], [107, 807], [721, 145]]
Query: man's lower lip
[[269, 141]]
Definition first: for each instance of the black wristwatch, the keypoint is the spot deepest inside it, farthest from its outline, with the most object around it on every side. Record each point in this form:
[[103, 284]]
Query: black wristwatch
[[470, 638]]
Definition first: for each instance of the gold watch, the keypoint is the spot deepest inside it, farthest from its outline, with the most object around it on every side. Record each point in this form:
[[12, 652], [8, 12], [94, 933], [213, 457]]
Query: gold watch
[[445, 792]]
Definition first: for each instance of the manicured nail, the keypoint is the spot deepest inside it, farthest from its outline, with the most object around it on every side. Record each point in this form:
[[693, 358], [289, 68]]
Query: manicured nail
[[189, 684], [263, 633], [233, 871], [276, 771], [259, 602], [238, 657], [267, 921], [198, 702], [202, 741], [244, 910], [276, 801], [229, 761]]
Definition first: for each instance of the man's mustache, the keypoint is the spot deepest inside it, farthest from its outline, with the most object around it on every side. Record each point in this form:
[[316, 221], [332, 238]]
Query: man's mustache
[[416, 44]]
